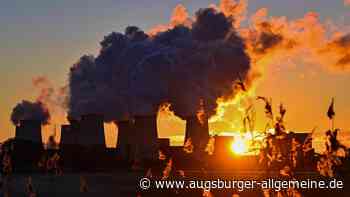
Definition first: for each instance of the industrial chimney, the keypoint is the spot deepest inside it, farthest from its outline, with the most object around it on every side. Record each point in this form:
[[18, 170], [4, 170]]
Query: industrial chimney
[[29, 130], [198, 131], [126, 139], [91, 131], [146, 137]]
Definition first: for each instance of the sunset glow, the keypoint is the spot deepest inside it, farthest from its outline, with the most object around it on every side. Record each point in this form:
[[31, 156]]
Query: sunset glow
[[224, 98], [239, 146]]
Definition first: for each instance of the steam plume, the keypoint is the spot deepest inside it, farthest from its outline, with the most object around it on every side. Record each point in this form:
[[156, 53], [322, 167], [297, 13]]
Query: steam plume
[[49, 101], [340, 50], [27, 110], [234, 9], [55, 99], [193, 62], [135, 73]]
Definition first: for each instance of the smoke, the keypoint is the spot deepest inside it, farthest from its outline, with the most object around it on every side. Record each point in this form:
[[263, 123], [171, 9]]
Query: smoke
[[54, 98], [234, 9], [338, 50], [210, 25], [27, 110], [90, 92], [274, 42], [134, 73], [46, 91], [210, 58], [126, 77], [193, 62], [86, 95], [266, 39], [306, 38], [49, 102], [180, 16]]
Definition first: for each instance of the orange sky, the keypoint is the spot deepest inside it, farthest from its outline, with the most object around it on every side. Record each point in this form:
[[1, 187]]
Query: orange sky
[[303, 85]]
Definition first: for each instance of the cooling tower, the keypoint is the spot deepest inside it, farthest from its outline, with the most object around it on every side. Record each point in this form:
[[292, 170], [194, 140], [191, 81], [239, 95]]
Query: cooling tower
[[68, 136], [27, 146], [91, 131], [301, 137], [69, 149], [29, 130], [163, 143], [146, 137], [198, 131], [126, 139]]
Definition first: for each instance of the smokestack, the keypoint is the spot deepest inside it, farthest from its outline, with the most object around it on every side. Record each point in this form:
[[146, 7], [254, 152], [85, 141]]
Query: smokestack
[[198, 131], [29, 130], [126, 139], [91, 132], [146, 137]]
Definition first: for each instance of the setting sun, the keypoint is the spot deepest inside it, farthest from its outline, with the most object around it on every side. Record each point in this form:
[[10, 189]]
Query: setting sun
[[239, 146]]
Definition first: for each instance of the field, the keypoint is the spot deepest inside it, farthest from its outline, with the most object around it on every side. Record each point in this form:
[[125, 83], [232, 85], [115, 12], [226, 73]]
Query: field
[[68, 185], [125, 183]]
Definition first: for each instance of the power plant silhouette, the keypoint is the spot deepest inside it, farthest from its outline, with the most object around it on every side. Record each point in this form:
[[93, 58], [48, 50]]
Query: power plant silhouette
[[82, 145]]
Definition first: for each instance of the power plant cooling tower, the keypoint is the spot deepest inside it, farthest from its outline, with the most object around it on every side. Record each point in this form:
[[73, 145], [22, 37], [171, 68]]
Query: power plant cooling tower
[[126, 139], [68, 144], [91, 131], [198, 131], [146, 137], [29, 130], [68, 136], [27, 145], [163, 143]]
